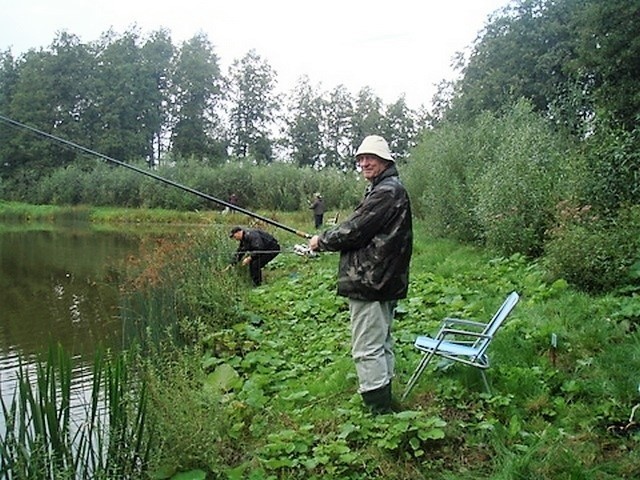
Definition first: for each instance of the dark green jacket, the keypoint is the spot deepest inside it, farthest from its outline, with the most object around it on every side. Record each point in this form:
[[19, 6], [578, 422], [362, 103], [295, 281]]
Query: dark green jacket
[[375, 242], [256, 243]]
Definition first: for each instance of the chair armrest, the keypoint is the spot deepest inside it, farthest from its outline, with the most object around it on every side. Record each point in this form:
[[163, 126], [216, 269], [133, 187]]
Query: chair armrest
[[449, 325], [459, 321], [454, 331]]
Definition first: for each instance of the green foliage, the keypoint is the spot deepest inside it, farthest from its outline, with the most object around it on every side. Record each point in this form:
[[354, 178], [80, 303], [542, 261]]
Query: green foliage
[[273, 393], [254, 105], [273, 187], [64, 187], [283, 190], [437, 180], [512, 59], [594, 253], [502, 160], [176, 290], [305, 125], [367, 117], [195, 429], [196, 65], [572, 58], [401, 127], [13, 211], [514, 184], [608, 56], [497, 179], [139, 98], [338, 114], [518, 189], [120, 124], [613, 157]]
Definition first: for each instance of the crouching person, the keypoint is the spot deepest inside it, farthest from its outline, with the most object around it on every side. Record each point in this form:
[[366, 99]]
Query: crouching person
[[256, 249]]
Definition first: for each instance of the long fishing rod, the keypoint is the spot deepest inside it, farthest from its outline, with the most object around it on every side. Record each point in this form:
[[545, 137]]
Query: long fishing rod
[[231, 206]]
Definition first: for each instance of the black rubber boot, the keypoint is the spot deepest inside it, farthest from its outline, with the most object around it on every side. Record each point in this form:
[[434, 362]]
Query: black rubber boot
[[378, 400]]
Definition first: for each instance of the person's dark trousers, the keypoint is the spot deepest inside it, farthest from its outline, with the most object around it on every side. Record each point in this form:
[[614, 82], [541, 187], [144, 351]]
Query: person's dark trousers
[[257, 264], [318, 219]]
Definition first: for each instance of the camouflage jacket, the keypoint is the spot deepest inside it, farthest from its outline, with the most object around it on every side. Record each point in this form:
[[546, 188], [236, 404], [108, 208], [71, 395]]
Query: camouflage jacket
[[375, 242]]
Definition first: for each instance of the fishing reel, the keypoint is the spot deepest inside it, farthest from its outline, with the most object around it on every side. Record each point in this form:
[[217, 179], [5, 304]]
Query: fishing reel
[[304, 250]]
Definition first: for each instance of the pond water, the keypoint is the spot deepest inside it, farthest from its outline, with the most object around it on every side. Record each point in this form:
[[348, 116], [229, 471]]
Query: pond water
[[59, 285]]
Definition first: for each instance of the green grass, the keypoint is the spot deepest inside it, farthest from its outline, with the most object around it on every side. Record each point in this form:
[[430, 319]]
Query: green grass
[[15, 211], [258, 383], [25, 212], [275, 389], [104, 217]]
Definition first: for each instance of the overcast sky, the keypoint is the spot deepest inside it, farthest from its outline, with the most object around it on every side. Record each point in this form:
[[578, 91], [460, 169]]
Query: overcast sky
[[395, 47]]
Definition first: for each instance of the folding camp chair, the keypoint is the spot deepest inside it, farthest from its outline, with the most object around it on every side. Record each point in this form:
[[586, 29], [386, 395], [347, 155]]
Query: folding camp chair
[[463, 341]]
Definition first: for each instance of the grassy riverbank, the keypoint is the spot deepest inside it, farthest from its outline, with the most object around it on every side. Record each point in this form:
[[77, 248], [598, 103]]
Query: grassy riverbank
[[258, 383], [15, 211], [268, 389], [23, 212]]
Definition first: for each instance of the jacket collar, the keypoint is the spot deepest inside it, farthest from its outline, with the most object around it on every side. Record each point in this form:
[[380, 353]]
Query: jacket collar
[[390, 171]]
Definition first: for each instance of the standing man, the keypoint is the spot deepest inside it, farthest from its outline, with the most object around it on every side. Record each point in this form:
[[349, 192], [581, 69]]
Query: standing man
[[318, 209], [256, 249], [375, 245]]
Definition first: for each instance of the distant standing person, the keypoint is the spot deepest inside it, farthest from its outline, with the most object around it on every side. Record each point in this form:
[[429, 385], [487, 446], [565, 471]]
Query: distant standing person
[[318, 209], [256, 249], [375, 245], [233, 201]]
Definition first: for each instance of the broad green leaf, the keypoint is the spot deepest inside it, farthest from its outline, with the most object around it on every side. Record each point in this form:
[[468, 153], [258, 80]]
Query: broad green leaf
[[223, 379]]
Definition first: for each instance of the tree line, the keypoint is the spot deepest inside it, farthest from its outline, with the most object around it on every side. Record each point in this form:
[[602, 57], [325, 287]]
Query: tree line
[[133, 96]]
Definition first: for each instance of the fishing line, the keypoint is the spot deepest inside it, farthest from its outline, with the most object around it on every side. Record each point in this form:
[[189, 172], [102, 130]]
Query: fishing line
[[231, 206]]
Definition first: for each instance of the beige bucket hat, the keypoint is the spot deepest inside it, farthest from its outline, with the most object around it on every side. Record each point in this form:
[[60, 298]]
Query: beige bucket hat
[[376, 145]]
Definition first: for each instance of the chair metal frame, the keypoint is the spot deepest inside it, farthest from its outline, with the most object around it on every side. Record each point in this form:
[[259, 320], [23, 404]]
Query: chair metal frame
[[462, 341]]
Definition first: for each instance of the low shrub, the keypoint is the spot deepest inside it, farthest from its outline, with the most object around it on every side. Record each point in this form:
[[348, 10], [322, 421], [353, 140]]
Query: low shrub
[[274, 187], [591, 252]]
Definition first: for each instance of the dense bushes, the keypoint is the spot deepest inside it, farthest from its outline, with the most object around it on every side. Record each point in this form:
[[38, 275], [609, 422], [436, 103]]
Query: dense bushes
[[496, 181], [613, 157], [504, 181], [518, 189], [274, 187], [592, 252], [437, 179]]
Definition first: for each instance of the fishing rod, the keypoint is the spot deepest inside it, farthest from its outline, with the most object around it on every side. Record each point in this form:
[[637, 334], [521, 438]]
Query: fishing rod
[[148, 173], [298, 249]]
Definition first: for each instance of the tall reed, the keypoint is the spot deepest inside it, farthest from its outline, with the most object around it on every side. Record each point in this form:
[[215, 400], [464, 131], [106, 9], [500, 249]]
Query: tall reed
[[45, 437]]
